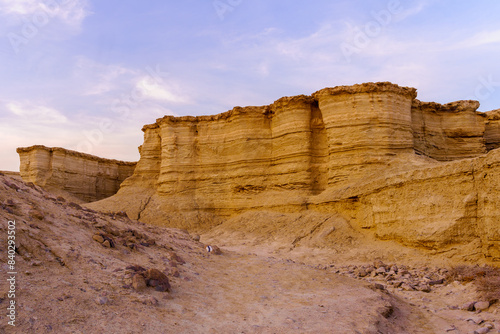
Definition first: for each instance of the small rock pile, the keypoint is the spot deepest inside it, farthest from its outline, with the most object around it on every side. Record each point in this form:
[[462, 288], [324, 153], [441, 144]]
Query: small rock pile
[[139, 279], [398, 277], [130, 238], [104, 240]]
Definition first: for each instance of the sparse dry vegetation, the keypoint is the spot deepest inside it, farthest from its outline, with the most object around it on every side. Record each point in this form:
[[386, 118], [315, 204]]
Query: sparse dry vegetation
[[485, 278]]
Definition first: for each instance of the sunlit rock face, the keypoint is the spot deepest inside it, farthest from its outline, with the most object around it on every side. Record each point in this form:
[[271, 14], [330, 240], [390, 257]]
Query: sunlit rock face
[[87, 177], [422, 173]]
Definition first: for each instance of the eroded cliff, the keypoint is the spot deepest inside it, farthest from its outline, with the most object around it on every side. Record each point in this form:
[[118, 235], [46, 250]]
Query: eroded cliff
[[87, 177], [389, 165]]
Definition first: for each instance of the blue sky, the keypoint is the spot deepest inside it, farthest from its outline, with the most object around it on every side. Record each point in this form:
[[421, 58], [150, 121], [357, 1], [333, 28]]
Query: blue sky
[[87, 74]]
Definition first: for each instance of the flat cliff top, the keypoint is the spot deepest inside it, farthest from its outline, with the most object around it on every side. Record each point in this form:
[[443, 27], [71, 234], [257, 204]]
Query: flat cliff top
[[493, 115], [369, 87], [74, 153], [453, 107]]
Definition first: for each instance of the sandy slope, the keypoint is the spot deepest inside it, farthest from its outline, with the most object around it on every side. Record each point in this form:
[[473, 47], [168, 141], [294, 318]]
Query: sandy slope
[[70, 283]]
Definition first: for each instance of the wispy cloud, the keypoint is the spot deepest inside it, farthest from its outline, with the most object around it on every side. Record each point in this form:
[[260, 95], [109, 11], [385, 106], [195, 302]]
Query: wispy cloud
[[160, 91], [71, 12], [35, 113], [98, 78], [406, 12], [481, 39]]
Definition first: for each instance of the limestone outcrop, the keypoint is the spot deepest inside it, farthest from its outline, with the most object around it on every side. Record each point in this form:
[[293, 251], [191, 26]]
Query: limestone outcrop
[[87, 177], [422, 173], [448, 132], [492, 130]]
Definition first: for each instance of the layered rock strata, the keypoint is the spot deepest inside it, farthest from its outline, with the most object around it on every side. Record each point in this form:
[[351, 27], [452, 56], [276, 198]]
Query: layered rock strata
[[85, 176], [492, 130], [402, 169], [448, 132]]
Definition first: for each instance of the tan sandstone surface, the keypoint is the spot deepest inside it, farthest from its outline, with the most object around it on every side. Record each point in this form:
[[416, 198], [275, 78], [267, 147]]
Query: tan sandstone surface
[[84, 176], [78, 271], [372, 156]]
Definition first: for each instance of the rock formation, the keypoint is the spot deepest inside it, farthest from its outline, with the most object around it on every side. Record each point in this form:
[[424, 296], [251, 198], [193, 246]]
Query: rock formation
[[492, 130], [423, 174], [87, 177]]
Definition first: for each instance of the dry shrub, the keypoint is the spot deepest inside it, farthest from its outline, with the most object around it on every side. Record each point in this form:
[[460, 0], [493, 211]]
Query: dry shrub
[[485, 278]]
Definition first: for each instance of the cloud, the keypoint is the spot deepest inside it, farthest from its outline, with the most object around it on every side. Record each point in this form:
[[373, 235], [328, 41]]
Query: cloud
[[406, 12], [32, 113], [70, 12], [151, 89], [101, 78], [482, 38]]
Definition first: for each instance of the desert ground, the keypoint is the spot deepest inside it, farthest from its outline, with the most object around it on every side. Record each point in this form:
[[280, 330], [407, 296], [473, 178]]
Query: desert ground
[[76, 272]]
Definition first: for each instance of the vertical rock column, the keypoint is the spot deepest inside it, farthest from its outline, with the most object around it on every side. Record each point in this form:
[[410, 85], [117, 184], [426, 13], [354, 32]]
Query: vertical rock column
[[213, 162], [148, 168], [292, 142], [365, 125], [492, 130], [35, 164]]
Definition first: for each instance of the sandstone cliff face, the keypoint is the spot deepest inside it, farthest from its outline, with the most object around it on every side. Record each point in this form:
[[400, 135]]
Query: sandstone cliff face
[[450, 131], [492, 130], [87, 177], [390, 165]]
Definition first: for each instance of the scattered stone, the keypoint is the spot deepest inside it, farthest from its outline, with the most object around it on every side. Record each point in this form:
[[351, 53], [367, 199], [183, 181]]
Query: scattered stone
[[36, 214], [489, 325], [136, 268], [424, 288], [482, 330], [386, 311], [138, 282], [476, 320], [99, 238], [436, 282], [157, 279], [362, 273], [379, 286], [102, 300], [104, 240], [174, 272], [196, 237], [468, 306], [74, 205], [11, 185], [407, 287], [151, 301], [378, 264], [481, 306], [172, 257]]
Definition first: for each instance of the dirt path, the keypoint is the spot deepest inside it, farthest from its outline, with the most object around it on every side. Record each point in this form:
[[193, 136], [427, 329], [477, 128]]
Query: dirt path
[[239, 293]]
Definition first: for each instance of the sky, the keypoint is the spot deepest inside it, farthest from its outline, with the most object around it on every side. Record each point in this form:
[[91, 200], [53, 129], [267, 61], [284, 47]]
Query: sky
[[86, 75]]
